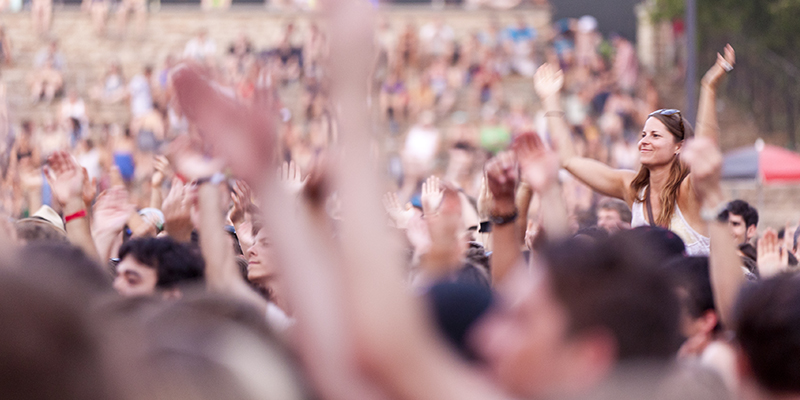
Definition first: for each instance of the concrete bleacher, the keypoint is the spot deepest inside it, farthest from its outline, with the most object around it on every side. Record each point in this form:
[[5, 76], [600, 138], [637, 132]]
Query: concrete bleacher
[[167, 31]]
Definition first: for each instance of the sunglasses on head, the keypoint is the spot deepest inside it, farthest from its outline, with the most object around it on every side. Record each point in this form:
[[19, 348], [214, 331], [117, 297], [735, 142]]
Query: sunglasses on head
[[670, 112]]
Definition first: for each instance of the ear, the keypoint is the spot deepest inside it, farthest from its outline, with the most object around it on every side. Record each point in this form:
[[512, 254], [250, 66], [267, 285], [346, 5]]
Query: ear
[[708, 321], [595, 354], [679, 146], [751, 232]]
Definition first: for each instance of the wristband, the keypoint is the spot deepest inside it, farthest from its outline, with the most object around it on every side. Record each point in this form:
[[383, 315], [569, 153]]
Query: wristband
[[75, 215], [554, 113], [503, 219]]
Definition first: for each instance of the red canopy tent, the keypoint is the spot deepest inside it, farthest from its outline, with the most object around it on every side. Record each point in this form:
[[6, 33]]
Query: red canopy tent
[[765, 163]]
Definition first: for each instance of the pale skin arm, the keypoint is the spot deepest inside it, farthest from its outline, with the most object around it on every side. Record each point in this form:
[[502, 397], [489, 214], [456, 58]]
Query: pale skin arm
[[597, 175], [707, 125], [395, 342], [501, 174], [66, 179], [725, 270], [539, 170]]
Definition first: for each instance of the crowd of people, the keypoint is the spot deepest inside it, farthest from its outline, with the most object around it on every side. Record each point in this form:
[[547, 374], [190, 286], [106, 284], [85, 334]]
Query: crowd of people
[[369, 211]]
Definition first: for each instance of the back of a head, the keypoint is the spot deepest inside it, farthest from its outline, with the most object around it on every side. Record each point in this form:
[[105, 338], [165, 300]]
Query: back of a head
[[62, 264], [175, 263], [658, 244], [48, 348], [614, 285], [691, 274], [202, 346], [768, 331]]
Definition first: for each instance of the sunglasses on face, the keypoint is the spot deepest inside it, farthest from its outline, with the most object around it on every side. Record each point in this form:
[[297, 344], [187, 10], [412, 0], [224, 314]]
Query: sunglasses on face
[[670, 112]]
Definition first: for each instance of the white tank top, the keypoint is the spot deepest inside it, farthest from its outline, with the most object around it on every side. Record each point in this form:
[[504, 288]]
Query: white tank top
[[696, 244]]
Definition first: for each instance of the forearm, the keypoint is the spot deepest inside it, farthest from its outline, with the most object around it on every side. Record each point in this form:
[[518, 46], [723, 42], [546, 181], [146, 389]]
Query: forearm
[[156, 197], [707, 124], [523, 202], [557, 125], [727, 276], [555, 218], [78, 230], [104, 243], [317, 297], [222, 273]]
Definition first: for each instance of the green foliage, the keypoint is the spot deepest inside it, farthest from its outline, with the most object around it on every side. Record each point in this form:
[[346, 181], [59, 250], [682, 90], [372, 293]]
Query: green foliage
[[770, 23]]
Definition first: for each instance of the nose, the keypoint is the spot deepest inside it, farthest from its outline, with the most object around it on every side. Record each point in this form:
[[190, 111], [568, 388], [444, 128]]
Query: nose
[[251, 251]]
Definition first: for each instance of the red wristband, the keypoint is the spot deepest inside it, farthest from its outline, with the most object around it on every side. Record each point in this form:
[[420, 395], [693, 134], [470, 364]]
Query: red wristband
[[76, 215]]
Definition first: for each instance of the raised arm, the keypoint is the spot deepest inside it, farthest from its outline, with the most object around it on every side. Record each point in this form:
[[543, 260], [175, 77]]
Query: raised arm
[[548, 81], [539, 169], [707, 125], [222, 273], [111, 211], [502, 178], [726, 273], [67, 180]]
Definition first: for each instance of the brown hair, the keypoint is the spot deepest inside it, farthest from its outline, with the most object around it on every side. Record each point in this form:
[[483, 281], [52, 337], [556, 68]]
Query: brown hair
[[680, 129]]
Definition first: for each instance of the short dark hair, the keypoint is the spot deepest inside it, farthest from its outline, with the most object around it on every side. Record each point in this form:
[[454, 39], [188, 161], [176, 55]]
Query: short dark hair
[[768, 330], [174, 262], [743, 209], [617, 205], [691, 274], [616, 285]]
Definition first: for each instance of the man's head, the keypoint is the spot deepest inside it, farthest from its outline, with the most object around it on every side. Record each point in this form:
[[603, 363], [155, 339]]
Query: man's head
[[156, 264], [742, 218], [584, 309], [261, 268], [768, 331], [699, 318], [613, 215]]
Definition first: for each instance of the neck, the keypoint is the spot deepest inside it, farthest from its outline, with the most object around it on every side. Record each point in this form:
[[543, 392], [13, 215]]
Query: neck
[[658, 178]]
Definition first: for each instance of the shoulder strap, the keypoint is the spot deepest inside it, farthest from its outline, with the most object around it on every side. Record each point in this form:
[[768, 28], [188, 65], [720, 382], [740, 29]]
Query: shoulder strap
[[649, 206]]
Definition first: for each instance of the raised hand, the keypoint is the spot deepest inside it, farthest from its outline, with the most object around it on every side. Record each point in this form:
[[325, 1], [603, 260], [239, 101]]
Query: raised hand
[[548, 80], [772, 259], [291, 177], [705, 160], [501, 175], [89, 189], [538, 165], [723, 65], [241, 198], [65, 176], [241, 135], [431, 196], [399, 215], [177, 209], [189, 162], [111, 211], [161, 167], [485, 199]]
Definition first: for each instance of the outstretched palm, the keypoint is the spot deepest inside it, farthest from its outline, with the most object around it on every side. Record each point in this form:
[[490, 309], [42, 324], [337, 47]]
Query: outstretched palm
[[538, 165], [65, 177], [242, 135], [548, 81]]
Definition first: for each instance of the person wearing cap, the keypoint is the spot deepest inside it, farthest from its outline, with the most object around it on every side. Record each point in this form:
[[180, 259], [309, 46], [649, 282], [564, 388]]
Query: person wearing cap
[[44, 224]]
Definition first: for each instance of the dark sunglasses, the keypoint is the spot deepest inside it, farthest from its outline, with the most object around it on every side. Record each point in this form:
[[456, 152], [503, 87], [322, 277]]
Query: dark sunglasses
[[670, 112]]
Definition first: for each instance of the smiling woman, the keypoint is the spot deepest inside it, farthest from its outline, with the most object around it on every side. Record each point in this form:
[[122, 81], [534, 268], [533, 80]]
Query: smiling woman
[[663, 185]]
